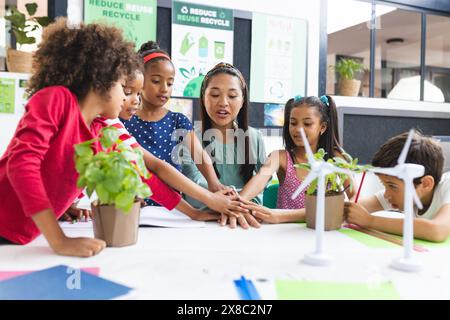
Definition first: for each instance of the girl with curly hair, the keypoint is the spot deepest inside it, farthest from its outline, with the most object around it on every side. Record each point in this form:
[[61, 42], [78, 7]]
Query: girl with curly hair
[[79, 74]]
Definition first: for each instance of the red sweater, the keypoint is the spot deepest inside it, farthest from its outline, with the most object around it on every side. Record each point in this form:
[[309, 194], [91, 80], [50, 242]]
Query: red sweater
[[37, 171]]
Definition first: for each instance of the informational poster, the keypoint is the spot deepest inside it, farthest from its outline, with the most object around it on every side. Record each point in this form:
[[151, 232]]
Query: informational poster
[[12, 104], [137, 18], [278, 58], [2, 34], [273, 115], [184, 106], [202, 36], [7, 95]]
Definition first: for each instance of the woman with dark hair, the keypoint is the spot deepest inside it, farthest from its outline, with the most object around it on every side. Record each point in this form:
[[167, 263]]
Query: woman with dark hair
[[236, 149]]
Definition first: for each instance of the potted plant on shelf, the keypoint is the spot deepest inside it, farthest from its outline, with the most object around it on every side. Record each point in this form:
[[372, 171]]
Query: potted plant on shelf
[[334, 190], [22, 27], [347, 84], [115, 173]]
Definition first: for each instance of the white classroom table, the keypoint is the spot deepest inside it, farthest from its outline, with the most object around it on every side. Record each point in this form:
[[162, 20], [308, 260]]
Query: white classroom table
[[202, 263]]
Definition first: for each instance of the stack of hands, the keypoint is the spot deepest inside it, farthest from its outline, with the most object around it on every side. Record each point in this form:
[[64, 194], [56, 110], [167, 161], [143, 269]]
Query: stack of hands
[[236, 210], [227, 207]]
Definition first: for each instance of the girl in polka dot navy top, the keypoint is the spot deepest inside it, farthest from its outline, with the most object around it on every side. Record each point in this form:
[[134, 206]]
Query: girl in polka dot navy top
[[159, 130]]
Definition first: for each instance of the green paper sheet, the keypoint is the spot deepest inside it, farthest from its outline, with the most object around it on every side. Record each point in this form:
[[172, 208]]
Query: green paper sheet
[[311, 290], [368, 240], [429, 244], [374, 242]]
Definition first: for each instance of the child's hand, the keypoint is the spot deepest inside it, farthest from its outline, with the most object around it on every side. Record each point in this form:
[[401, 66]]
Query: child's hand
[[226, 202], [79, 247], [74, 213], [245, 221], [260, 212], [200, 215], [357, 214]]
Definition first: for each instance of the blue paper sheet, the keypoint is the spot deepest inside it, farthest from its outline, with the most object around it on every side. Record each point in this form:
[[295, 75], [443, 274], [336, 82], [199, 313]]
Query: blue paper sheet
[[60, 283]]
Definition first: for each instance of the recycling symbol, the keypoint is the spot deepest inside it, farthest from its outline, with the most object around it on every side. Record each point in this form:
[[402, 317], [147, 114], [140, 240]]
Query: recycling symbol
[[184, 10], [222, 15]]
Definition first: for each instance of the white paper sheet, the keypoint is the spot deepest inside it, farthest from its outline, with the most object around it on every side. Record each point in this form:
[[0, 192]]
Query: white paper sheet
[[150, 216], [161, 217]]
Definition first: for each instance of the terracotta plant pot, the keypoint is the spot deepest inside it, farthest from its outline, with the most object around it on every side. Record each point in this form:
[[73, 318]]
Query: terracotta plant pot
[[349, 87], [113, 226], [19, 61], [334, 211]]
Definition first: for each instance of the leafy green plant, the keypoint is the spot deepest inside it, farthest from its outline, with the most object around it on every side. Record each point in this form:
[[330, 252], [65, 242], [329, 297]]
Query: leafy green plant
[[114, 172], [347, 68], [334, 181], [21, 26]]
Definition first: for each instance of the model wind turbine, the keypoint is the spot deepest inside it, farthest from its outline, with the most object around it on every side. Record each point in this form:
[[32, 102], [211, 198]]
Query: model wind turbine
[[407, 172], [319, 169]]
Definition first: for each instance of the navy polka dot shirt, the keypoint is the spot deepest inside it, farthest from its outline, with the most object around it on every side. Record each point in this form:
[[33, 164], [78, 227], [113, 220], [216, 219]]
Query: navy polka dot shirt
[[160, 137]]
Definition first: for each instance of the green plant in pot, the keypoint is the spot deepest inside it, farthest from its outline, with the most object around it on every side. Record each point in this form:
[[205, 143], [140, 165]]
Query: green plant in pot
[[115, 173], [334, 190], [22, 28], [347, 69]]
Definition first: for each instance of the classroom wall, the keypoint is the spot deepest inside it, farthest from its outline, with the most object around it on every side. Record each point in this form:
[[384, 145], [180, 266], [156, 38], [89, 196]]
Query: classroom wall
[[303, 9], [366, 123]]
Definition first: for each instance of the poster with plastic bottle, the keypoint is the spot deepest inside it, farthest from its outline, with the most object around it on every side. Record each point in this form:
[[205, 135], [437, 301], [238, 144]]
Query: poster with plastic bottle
[[202, 36]]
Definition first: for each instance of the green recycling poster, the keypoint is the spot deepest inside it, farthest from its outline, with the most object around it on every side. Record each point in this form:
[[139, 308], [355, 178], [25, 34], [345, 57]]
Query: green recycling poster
[[202, 36], [137, 18], [7, 95], [278, 58]]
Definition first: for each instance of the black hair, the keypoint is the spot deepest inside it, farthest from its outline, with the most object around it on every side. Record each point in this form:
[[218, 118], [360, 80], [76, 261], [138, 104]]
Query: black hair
[[423, 150], [152, 47], [246, 170], [329, 140]]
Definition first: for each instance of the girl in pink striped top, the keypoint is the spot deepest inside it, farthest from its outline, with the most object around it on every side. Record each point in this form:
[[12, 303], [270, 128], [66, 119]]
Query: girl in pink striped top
[[318, 117]]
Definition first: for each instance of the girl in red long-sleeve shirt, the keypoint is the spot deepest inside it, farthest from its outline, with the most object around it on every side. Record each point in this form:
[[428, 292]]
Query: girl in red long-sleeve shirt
[[79, 75]]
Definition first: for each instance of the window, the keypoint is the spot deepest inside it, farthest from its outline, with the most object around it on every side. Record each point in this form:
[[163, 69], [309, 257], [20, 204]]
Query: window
[[397, 54], [437, 59], [348, 29], [395, 51]]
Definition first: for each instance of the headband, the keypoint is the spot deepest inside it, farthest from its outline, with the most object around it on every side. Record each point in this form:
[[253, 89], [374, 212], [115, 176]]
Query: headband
[[154, 55]]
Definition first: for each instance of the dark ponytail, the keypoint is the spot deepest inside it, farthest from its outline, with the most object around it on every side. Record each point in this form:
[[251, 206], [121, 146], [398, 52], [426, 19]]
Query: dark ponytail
[[329, 140], [247, 169]]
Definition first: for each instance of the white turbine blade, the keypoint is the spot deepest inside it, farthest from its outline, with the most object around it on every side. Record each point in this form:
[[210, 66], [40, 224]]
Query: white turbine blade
[[417, 199], [404, 153], [309, 178], [344, 171], [387, 171], [308, 150]]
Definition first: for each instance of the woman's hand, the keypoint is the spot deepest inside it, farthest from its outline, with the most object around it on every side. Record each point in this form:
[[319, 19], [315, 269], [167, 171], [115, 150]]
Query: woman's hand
[[245, 221], [226, 202], [263, 213], [216, 186]]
